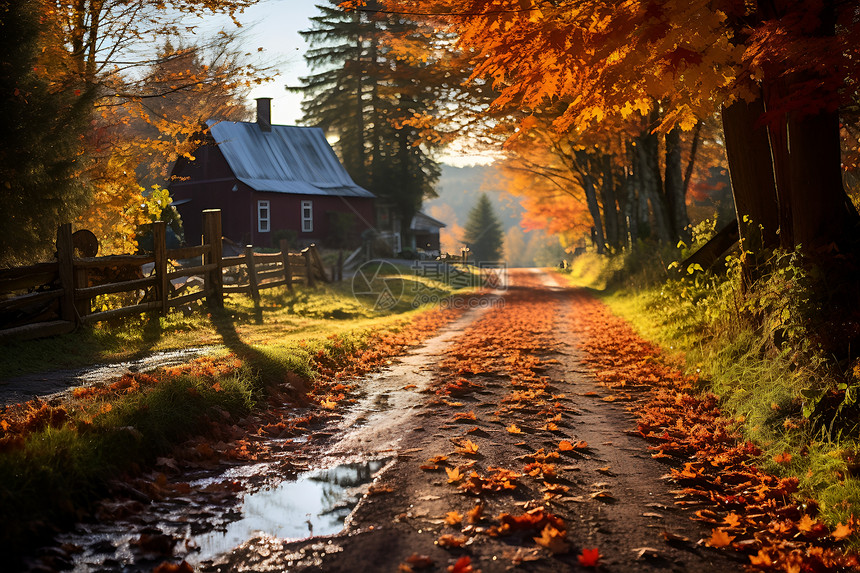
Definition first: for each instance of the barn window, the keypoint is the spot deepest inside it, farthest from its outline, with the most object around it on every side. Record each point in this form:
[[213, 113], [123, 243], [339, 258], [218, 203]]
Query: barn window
[[307, 216], [263, 216]]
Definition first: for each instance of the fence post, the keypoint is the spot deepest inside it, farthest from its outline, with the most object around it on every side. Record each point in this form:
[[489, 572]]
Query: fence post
[[65, 252], [309, 267], [319, 264], [288, 272], [159, 245], [212, 237], [252, 274]]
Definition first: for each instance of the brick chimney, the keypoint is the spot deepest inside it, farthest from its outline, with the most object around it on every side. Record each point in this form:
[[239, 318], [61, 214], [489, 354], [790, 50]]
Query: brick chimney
[[264, 113]]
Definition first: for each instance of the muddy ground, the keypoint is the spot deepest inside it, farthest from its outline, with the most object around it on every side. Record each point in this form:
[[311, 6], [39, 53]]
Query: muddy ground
[[557, 460]]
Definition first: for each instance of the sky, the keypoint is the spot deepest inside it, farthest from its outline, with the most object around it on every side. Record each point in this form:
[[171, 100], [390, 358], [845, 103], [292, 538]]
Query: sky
[[274, 25]]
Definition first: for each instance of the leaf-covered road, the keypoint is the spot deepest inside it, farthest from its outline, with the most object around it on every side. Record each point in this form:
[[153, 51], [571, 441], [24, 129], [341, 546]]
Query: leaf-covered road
[[515, 457]]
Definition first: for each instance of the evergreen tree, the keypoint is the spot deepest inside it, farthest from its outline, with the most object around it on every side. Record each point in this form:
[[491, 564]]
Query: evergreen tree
[[484, 235], [363, 92], [42, 127]]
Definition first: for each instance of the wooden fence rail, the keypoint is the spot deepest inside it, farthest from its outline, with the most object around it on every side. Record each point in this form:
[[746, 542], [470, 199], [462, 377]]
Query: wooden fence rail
[[59, 294]]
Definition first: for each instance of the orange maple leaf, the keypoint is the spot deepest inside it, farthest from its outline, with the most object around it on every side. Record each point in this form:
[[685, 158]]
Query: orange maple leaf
[[806, 523], [468, 447], [783, 458], [719, 538], [553, 539], [841, 532], [453, 518], [454, 475], [761, 560], [589, 557], [564, 446], [732, 519], [514, 429]]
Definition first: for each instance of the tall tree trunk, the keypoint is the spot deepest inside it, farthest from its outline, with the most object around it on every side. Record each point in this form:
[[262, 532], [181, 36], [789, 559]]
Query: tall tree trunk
[[694, 147], [607, 197], [675, 199], [594, 209], [751, 172], [652, 185]]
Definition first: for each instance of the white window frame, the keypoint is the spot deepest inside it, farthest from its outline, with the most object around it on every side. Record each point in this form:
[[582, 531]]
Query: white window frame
[[264, 216], [307, 216]]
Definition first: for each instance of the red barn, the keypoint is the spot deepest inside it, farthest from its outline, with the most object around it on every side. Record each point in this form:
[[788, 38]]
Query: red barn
[[271, 180]]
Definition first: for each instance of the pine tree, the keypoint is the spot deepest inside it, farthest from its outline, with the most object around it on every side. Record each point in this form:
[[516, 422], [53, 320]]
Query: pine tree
[[484, 235], [42, 127], [362, 92]]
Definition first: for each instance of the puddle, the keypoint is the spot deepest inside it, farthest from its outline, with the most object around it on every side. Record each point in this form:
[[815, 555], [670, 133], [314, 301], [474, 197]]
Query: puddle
[[316, 503]]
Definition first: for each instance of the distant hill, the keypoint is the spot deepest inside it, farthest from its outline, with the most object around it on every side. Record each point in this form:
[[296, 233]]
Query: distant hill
[[459, 188]]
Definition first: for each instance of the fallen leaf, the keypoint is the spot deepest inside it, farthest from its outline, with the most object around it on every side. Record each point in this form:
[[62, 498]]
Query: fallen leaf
[[408, 386], [474, 514], [453, 518], [732, 520], [448, 540], [806, 523], [589, 557], [419, 561], [783, 458], [468, 447], [719, 538], [841, 532], [648, 552], [564, 446], [454, 475], [761, 560], [514, 429], [553, 539], [463, 565], [674, 537]]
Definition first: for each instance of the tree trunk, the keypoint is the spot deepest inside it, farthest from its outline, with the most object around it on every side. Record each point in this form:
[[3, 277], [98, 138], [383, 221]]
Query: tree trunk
[[675, 198], [751, 172], [594, 209], [652, 184], [607, 197], [813, 208]]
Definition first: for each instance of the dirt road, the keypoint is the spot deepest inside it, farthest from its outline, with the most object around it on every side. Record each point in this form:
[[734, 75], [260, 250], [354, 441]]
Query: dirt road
[[490, 447], [506, 434]]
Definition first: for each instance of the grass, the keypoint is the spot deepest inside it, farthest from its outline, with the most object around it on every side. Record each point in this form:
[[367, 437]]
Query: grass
[[57, 460], [306, 312], [699, 324]]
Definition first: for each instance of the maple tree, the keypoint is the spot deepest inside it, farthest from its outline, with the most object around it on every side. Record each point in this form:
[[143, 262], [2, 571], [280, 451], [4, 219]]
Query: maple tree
[[685, 61]]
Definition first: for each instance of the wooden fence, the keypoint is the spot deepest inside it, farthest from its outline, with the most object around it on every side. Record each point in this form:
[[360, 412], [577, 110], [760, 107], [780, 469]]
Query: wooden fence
[[60, 294]]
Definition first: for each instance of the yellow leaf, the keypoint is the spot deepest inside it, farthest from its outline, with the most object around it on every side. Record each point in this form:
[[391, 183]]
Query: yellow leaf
[[514, 429], [805, 524]]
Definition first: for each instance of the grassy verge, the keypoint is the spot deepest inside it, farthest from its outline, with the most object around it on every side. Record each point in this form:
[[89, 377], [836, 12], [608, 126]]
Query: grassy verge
[[794, 402], [58, 459]]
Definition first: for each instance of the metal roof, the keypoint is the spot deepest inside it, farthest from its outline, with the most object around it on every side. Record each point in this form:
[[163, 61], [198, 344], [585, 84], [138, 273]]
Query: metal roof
[[423, 221], [287, 159]]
